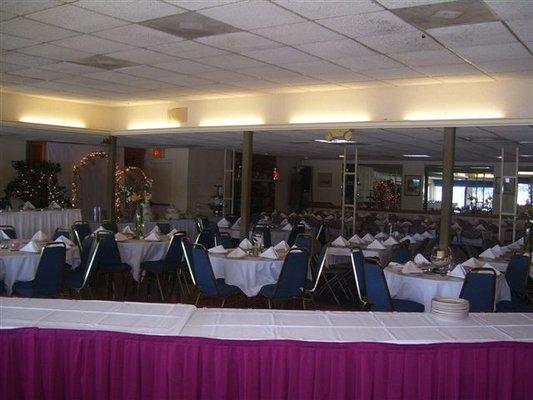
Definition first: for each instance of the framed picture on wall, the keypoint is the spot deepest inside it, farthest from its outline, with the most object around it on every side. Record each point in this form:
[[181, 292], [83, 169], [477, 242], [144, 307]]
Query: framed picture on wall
[[325, 179], [412, 185]]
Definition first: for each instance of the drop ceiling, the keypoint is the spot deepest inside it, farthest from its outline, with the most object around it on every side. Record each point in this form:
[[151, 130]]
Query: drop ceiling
[[231, 48]]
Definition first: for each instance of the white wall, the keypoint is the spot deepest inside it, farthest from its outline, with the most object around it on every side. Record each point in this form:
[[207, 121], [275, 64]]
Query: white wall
[[205, 171], [326, 194], [10, 150], [285, 166]]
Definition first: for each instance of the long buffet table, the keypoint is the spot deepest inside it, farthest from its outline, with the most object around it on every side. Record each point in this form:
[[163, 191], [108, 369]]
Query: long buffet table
[[66, 349], [26, 223]]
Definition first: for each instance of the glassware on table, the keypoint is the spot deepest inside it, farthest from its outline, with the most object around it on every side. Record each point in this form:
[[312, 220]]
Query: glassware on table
[[442, 260]]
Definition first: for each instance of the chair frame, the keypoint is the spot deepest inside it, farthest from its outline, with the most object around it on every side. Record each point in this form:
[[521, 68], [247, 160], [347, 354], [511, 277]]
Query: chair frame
[[9, 227], [493, 288]]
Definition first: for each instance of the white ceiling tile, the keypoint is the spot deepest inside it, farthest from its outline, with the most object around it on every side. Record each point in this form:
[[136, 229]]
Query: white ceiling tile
[[136, 35], [268, 72], [38, 73], [227, 77], [92, 44], [523, 28], [392, 4], [336, 49], [188, 49], [143, 56], [371, 24], [400, 42], [252, 14], [413, 82], [432, 57], [112, 76], [465, 78], [145, 71], [34, 30], [487, 33], [8, 42], [17, 79], [21, 7], [75, 18], [186, 67], [54, 52], [24, 59], [367, 63], [393, 73], [448, 70], [71, 68], [131, 10], [199, 4], [521, 64], [325, 70], [300, 33], [238, 41], [326, 9], [10, 67], [510, 10], [494, 52], [230, 61], [4, 16], [366, 84], [281, 56]]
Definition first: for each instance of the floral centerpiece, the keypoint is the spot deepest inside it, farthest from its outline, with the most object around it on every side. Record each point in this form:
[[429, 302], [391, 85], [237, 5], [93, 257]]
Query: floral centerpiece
[[138, 199]]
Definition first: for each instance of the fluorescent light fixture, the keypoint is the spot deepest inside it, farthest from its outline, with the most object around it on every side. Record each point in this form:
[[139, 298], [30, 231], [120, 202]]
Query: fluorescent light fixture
[[336, 141], [526, 142], [52, 121], [444, 115], [526, 155], [341, 155], [416, 156], [525, 173], [328, 118], [152, 125], [484, 168], [232, 121]]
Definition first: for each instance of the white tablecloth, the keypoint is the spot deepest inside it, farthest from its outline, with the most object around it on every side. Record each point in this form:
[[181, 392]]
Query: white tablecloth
[[423, 287], [26, 223], [501, 264], [186, 224], [276, 235], [324, 326], [134, 252], [250, 274], [338, 255], [22, 266]]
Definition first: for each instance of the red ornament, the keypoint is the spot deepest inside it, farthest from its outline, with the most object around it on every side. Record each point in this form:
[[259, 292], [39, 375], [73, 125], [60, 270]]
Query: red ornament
[[158, 153], [275, 174]]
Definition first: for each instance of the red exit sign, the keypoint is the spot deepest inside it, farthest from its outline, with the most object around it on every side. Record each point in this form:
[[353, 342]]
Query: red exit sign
[[158, 153]]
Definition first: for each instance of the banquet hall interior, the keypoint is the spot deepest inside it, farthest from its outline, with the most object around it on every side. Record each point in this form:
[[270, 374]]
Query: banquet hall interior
[[252, 199]]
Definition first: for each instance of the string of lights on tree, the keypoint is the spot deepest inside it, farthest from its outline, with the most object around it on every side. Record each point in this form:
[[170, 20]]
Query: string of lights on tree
[[386, 194]]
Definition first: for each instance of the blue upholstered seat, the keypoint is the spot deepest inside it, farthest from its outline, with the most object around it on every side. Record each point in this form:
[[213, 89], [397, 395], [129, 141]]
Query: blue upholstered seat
[[479, 289], [401, 255], [291, 278]]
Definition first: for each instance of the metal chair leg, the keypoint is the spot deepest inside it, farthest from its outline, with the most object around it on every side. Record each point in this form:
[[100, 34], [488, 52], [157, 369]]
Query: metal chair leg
[[159, 286], [197, 298], [223, 302]]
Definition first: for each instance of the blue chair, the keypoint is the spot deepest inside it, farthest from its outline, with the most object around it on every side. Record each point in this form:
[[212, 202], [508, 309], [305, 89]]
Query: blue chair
[[232, 219], [295, 231], [304, 241], [49, 276], [206, 282], [81, 230], [401, 255], [167, 265], [479, 289], [317, 267], [187, 255], [377, 291], [206, 238], [61, 232], [109, 262], [164, 227], [264, 231], [516, 276], [110, 226], [81, 277], [9, 230], [358, 259], [291, 279], [224, 239]]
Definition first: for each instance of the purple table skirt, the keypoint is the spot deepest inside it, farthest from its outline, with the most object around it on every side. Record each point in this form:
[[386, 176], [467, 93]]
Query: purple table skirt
[[69, 364]]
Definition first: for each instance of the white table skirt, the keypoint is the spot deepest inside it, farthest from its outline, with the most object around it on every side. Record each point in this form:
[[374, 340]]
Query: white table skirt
[[186, 225], [276, 235], [423, 287], [134, 252], [22, 266], [26, 223], [250, 274], [324, 326], [338, 255]]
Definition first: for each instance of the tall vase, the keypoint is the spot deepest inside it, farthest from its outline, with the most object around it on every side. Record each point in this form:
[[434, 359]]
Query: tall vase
[[139, 220]]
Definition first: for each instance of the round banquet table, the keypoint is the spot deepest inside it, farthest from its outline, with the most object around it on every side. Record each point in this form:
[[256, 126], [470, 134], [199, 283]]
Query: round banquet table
[[184, 224], [276, 235], [339, 255], [423, 287], [249, 273], [26, 223], [135, 251], [22, 266]]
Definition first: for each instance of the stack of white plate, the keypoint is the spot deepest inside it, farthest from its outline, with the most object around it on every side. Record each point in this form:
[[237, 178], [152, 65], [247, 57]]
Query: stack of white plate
[[449, 307]]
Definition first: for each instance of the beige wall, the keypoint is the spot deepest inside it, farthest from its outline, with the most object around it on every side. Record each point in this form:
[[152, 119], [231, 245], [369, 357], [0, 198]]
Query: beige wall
[[285, 167], [326, 194], [10, 150], [413, 202], [205, 171]]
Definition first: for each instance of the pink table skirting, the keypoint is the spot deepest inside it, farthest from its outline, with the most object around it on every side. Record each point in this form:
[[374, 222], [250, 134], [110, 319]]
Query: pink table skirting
[[69, 364]]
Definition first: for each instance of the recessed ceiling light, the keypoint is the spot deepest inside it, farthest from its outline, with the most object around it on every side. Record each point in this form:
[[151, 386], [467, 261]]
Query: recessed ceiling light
[[416, 156], [335, 141]]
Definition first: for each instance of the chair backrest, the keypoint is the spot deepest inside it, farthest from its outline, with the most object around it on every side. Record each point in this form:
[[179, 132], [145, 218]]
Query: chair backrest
[[479, 289], [187, 254], [174, 254], [110, 226], [224, 239], [318, 267], [401, 255], [49, 276], [206, 238], [377, 291], [86, 252], [358, 260], [305, 241], [232, 218], [108, 256], [61, 232], [198, 223], [164, 227], [295, 231], [517, 273], [203, 271], [9, 230], [91, 263], [321, 234], [264, 231], [293, 273], [81, 230]]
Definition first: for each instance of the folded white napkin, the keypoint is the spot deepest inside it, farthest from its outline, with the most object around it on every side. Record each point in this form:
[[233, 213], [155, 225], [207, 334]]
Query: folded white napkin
[[172, 232], [237, 253], [31, 247], [329, 218], [356, 239], [283, 215], [473, 263], [269, 253], [28, 206], [406, 223], [427, 235], [408, 237], [497, 250], [421, 260], [480, 227], [54, 206], [120, 237], [457, 272], [218, 249], [411, 268], [504, 249], [381, 235], [292, 214], [282, 246], [487, 265], [287, 227], [40, 236], [223, 223], [307, 226], [155, 230], [4, 235], [396, 234], [284, 222], [390, 241], [245, 244], [488, 254], [100, 228], [368, 238], [127, 230], [63, 239], [456, 226], [520, 241], [318, 217], [376, 245], [152, 237], [340, 242], [418, 237]]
